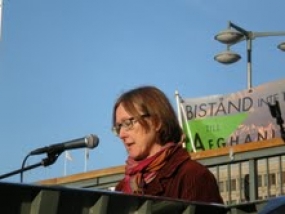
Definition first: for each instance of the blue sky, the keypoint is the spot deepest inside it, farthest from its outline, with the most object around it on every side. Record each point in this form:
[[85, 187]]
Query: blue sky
[[64, 63]]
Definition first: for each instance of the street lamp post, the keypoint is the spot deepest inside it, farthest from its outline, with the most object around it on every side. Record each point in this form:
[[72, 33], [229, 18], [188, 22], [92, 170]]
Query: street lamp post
[[235, 34]]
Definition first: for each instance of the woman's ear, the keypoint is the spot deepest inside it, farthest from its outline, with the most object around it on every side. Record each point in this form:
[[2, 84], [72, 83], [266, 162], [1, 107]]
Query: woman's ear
[[157, 125]]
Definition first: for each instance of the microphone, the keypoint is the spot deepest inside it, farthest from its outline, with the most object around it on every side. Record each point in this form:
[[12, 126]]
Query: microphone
[[90, 141]]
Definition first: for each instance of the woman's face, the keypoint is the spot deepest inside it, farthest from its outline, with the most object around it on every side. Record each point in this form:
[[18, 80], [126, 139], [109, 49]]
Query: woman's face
[[138, 142]]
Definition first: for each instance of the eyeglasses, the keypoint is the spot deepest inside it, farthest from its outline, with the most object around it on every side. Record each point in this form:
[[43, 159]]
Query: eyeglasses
[[127, 124]]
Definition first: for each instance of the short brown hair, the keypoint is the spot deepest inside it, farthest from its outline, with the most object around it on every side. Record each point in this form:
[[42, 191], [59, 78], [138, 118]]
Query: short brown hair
[[149, 100]]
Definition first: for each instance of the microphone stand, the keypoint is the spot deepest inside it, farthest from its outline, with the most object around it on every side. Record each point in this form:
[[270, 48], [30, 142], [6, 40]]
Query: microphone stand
[[50, 159]]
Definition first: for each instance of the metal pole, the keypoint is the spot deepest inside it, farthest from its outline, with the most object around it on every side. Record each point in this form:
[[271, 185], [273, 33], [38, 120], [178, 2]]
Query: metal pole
[[249, 64]]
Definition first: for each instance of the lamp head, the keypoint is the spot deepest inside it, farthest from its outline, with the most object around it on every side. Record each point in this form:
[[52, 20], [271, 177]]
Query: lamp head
[[227, 57], [229, 36]]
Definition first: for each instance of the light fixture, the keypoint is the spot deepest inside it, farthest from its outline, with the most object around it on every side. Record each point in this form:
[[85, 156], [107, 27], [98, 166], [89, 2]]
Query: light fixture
[[229, 36], [227, 57], [235, 34]]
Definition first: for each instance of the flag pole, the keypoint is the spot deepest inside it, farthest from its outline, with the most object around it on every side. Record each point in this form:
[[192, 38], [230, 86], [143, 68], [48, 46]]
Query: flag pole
[[86, 157], [188, 127], [182, 116], [65, 163], [67, 157], [178, 100], [85, 161]]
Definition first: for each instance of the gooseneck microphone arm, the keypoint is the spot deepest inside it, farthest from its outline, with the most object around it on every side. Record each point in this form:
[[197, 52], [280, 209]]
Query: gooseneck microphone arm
[[53, 152], [49, 160]]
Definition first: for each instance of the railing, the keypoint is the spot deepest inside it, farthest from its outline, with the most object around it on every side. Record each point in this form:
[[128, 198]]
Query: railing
[[248, 172], [250, 175]]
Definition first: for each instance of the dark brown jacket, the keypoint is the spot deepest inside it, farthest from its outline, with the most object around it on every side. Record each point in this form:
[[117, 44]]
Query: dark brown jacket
[[183, 178]]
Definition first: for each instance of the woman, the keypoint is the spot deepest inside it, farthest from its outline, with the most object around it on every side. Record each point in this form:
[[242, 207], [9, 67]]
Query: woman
[[157, 164]]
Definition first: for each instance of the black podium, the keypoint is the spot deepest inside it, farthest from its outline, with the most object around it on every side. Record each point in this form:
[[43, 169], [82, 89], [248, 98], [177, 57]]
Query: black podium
[[18, 198]]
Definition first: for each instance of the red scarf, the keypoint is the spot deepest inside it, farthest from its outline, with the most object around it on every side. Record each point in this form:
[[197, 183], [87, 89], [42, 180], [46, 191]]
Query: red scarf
[[140, 173]]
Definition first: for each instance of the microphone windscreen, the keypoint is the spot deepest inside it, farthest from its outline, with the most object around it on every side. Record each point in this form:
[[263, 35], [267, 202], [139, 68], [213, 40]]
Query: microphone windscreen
[[92, 141]]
